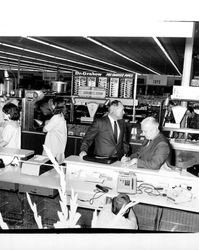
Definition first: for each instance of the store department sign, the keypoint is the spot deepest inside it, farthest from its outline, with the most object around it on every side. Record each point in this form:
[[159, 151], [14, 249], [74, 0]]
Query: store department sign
[[156, 80], [84, 73]]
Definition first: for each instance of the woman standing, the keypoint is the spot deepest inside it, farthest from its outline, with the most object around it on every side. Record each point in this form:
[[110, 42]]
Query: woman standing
[[56, 128], [11, 133]]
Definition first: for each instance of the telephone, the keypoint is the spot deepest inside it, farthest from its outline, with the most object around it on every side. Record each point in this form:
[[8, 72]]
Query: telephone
[[127, 183]]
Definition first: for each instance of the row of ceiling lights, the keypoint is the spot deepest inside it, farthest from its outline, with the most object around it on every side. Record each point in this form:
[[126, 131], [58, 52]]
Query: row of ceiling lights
[[72, 68]]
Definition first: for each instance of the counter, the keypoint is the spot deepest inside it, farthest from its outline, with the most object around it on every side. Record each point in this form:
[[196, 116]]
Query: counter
[[83, 176], [153, 211], [34, 141]]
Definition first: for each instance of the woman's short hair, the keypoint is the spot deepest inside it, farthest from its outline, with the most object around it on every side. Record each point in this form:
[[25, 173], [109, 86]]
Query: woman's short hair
[[60, 106], [12, 110]]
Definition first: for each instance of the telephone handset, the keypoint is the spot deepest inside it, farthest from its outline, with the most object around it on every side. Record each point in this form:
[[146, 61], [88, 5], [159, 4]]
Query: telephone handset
[[127, 183]]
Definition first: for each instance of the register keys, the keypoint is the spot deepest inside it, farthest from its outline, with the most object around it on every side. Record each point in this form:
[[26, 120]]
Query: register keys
[[36, 165]]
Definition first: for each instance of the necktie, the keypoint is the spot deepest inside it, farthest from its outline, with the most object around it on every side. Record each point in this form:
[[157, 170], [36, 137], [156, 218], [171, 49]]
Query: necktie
[[149, 141], [115, 131]]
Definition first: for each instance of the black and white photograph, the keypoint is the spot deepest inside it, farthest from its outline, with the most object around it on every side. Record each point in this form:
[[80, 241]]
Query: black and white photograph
[[99, 124]]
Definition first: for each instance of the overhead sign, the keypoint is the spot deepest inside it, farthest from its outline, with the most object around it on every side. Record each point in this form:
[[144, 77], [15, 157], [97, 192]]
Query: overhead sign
[[84, 73], [157, 80]]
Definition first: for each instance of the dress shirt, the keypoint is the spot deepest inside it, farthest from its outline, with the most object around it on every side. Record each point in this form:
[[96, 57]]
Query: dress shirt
[[112, 124]]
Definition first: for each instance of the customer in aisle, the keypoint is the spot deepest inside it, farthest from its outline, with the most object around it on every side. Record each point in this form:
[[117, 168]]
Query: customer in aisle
[[155, 150], [109, 216], [192, 122], [56, 128], [108, 134], [168, 115], [11, 132], [45, 108]]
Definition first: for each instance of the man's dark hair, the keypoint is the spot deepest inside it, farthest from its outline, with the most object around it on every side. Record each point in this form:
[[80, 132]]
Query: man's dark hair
[[42, 103], [118, 202], [115, 103], [60, 105]]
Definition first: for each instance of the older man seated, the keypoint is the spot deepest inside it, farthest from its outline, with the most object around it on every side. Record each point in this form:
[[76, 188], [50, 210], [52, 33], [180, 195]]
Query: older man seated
[[155, 150]]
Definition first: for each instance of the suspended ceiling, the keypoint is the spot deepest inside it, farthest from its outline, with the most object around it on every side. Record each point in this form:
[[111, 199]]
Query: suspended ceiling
[[97, 54]]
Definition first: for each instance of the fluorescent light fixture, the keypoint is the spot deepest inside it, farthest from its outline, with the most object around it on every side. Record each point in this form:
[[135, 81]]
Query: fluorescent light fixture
[[78, 54], [25, 61], [31, 66], [23, 64], [42, 60], [120, 54], [54, 57], [166, 54]]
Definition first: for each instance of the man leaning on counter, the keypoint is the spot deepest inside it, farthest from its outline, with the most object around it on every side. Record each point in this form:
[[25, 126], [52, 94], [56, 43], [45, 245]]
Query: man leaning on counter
[[155, 150], [108, 133]]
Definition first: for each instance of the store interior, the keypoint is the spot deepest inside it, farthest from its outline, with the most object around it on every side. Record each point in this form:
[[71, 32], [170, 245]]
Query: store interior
[[143, 72]]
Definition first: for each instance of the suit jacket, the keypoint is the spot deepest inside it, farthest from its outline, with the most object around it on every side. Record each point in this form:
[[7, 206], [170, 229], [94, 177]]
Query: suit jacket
[[154, 154], [101, 133]]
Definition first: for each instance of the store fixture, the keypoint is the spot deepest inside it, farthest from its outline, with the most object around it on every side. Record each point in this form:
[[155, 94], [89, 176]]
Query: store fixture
[[186, 150], [103, 87], [28, 108], [178, 112], [92, 106]]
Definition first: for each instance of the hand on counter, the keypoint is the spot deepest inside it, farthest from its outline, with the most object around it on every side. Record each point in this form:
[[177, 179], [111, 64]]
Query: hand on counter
[[82, 154], [127, 162], [134, 161], [125, 159]]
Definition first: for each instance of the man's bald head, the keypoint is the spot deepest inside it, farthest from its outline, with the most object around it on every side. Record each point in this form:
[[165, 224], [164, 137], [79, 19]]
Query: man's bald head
[[150, 128]]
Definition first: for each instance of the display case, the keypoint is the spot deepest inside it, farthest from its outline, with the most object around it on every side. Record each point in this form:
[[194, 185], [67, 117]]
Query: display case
[[186, 148]]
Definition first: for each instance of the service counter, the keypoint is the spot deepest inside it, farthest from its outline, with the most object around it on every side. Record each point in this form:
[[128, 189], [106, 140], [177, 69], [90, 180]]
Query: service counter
[[164, 199], [83, 176], [35, 140]]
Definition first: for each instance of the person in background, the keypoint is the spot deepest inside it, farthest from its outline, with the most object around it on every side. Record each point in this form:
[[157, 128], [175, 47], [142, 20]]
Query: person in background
[[4, 100], [108, 218], [108, 133], [168, 116], [155, 150], [192, 122], [56, 129], [11, 133], [45, 106]]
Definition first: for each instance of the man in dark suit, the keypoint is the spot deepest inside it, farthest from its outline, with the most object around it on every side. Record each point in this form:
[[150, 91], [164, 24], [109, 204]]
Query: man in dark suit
[[108, 133], [155, 150]]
